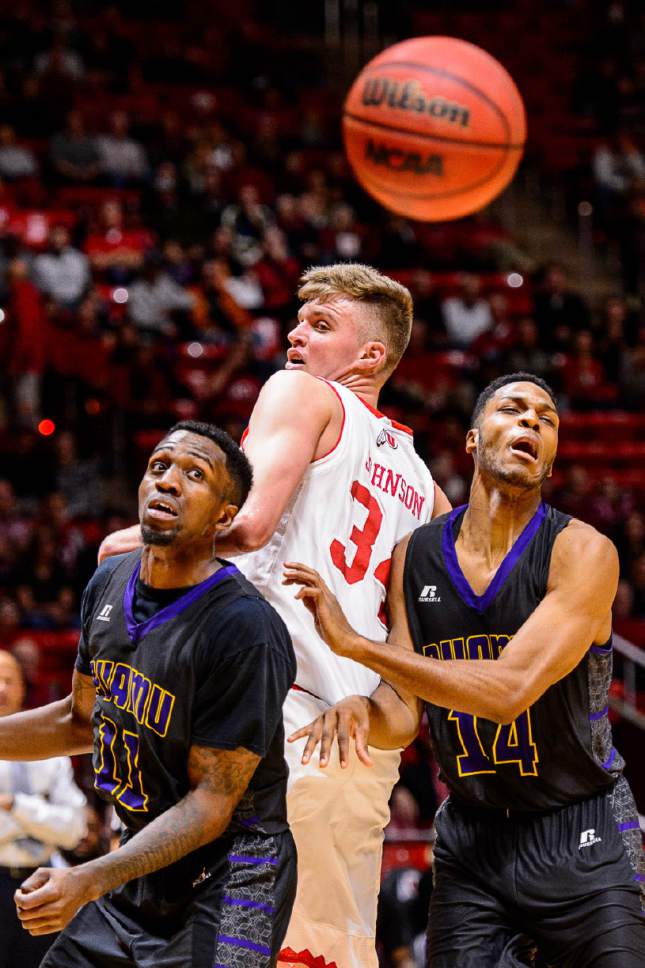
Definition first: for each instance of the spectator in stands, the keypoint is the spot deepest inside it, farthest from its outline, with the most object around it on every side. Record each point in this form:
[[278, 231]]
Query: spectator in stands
[[632, 376], [114, 250], [445, 473], [156, 303], [62, 272], [218, 316], [526, 354], [94, 843], [559, 311], [16, 161], [122, 159], [623, 606], [618, 166], [15, 525], [344, 240], [615, 333], [583, 375], [9, 620], [631, 541], [73, 153], [78, 479], [277, 273], [466, 315], [576, 495], [248, 220], [41, 808], [28, 344], [59, 60], [610, 507]]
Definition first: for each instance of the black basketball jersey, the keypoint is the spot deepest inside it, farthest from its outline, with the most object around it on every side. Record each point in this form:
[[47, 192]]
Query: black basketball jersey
[[560, 749], [212, 668]]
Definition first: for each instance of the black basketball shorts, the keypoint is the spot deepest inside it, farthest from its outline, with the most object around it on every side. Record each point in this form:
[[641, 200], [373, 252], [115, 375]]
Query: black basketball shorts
[[567, 883], [236, 917]]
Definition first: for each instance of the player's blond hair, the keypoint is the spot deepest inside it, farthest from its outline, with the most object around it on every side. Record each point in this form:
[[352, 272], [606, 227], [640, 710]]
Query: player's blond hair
[[392, 302]]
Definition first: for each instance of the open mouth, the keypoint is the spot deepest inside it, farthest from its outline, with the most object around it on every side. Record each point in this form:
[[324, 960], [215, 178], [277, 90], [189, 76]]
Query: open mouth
[[294, 359], [162, 510], [526, 446]]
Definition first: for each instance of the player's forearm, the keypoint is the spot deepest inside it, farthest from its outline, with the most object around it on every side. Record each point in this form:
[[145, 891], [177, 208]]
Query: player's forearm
[[196, 820], [37, 734], [479, 687], [393, 723]]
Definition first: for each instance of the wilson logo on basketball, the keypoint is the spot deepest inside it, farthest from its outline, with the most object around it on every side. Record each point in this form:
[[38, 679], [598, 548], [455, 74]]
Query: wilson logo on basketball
[[410, 97], [396, 159]]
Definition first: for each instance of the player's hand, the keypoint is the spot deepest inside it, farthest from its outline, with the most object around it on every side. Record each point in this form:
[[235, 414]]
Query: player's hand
[[50, 897], [120, 542], [331, 624], [348, 719]]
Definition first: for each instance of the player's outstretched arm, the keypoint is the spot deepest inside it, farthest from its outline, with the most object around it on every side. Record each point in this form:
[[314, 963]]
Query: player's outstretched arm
[[388, 719], [575, 612], [62, 728], [50, 898], [296, 419]]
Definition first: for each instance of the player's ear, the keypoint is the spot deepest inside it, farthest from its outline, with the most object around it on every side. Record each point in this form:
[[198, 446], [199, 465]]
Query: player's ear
[[226, 516], [472, 440], [373, 355]]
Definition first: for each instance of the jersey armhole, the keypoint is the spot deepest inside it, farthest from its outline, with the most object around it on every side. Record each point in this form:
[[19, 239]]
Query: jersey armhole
[[342, 426]]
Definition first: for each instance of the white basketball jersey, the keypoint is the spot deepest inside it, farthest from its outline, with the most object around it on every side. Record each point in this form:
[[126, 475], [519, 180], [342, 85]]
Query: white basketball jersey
[[350, 510]]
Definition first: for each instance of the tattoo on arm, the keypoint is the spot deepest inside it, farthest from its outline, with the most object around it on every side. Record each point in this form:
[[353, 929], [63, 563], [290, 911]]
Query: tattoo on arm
[[225, 772], [218, 779]]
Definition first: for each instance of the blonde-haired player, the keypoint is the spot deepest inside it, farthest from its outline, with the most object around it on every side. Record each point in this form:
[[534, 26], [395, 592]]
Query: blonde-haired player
[[337, 484]]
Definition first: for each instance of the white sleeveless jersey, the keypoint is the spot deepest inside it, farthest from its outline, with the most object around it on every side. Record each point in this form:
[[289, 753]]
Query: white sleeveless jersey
[[350, 510]]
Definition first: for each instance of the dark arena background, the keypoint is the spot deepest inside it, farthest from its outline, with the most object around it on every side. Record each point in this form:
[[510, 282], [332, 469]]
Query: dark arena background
[[167, 171]]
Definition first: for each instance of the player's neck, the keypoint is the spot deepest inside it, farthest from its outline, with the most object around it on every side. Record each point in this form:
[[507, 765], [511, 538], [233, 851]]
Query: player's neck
[[495, 517], [363, 386], [168, 567]]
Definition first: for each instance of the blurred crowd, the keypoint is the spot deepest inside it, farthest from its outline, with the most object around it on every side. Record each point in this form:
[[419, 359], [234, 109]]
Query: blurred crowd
[[163, 183]]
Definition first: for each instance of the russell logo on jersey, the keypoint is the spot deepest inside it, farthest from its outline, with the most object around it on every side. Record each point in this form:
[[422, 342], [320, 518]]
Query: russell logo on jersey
[[429, 594]]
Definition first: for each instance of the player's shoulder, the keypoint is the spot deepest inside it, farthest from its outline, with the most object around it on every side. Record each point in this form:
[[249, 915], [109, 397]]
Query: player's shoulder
[[101, 577], [296, 385], [247, 620], [580, 547]]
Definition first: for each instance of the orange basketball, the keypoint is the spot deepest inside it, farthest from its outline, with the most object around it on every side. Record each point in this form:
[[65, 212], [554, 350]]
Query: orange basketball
[[434, 128]]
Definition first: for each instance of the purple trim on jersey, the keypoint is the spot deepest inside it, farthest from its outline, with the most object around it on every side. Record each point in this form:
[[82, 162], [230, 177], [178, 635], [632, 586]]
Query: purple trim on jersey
[[639, 877], [244, 943], [136, 631], [244, 859], [603, 649], [481, 602], [610, 759], [629, 825], [593, 717], [251, 822], [243, 902]]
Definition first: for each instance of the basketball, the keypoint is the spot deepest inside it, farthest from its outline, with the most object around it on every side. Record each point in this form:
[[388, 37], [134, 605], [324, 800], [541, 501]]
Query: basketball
[[434, 128]]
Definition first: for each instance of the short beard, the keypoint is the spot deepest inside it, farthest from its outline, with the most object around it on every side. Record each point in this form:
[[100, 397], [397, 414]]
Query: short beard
[[152, 537], [515, 478]]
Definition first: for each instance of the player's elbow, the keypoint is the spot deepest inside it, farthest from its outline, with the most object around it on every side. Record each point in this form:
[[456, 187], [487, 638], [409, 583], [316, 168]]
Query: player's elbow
[[507, 704], [250, 540], [251, 535]]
